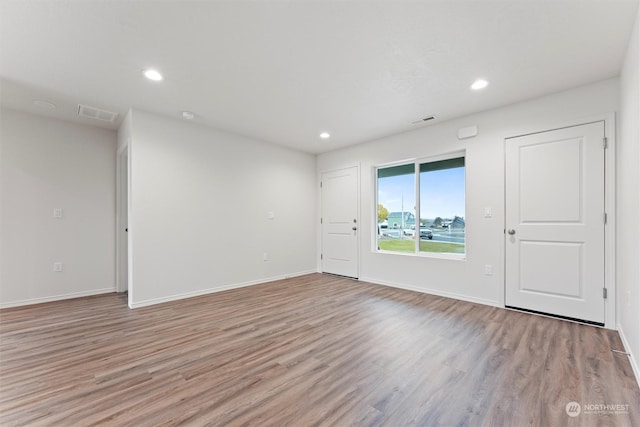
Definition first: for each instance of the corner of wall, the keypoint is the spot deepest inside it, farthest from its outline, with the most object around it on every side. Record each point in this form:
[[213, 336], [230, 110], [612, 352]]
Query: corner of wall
[[628, 221], [627, 347]]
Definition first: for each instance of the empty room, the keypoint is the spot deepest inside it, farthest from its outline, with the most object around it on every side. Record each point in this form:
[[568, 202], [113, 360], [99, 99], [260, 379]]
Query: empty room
[[320, 213]]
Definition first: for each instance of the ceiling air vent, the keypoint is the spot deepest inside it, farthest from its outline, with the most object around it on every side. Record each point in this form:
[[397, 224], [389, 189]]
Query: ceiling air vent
[[96, 113], [422, 120]]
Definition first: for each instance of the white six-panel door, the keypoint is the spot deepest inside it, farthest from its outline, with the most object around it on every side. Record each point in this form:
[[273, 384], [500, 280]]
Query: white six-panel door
[[555, 222], [340, 222]]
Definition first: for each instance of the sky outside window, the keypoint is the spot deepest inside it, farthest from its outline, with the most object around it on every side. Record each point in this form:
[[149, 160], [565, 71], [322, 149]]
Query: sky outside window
[[397, 193], [441, 193]]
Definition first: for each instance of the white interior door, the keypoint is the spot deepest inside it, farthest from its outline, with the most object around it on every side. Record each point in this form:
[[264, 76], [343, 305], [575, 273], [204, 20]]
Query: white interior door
[[555, 222], [340, 223]]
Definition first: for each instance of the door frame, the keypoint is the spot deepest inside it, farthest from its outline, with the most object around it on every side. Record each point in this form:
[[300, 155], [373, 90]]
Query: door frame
[[609, 120], [361, 229], [123, 200]]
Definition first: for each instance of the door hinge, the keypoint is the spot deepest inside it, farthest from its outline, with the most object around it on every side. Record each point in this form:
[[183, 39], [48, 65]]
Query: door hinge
[[605, 218], [320, 184], [321, 256], [604, 293], [320, 220], [605, 143]]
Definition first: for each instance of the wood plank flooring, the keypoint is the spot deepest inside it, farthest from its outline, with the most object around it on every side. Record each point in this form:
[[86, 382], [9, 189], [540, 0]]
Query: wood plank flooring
[[311, 351]]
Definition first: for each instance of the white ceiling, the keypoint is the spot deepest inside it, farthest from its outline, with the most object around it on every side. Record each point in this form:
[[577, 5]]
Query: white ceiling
[[284, 71]]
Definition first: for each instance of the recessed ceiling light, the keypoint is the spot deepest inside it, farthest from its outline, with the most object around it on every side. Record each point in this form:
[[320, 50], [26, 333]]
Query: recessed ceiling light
[[325, 135], [44, 104], [188, 115], [153, 75], [479, 84]]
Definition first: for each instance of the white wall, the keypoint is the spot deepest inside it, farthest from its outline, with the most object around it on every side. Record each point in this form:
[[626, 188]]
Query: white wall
[[199, 204], [485, 188], [628, 211], [49, 164]]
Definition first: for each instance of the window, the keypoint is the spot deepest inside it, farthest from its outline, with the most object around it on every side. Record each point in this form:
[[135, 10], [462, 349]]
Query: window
[[431, 190]]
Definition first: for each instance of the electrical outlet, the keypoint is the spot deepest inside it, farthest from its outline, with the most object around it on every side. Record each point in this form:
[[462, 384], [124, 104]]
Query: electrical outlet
[[57, 266], [57, 212], [488, 269]]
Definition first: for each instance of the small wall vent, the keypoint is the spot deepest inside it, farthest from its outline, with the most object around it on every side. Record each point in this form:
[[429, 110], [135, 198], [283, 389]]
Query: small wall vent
[[96, 113], [422, 120]]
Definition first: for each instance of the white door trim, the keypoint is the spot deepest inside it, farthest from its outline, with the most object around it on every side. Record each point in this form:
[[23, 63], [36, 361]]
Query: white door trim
[[361, 229], [609, 203]]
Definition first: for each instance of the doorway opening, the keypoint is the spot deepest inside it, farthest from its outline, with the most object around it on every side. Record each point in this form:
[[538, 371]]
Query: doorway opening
[[122, 223]]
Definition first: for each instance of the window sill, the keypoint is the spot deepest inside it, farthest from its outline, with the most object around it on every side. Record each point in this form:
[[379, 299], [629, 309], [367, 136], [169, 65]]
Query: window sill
[[436, 255]]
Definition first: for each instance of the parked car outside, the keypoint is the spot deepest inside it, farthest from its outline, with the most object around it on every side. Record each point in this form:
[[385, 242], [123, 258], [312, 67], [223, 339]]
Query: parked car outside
[[409, 232], [425, 233]]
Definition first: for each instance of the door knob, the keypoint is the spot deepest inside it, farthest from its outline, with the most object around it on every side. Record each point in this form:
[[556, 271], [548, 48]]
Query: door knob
[[354, 228], [511, 231]]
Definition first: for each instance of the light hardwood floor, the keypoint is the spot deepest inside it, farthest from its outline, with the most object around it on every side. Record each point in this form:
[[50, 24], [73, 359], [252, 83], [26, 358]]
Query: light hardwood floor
[[314, 350]]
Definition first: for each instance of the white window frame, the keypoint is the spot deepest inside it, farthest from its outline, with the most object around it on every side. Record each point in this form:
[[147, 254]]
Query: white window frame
[[417, 162]]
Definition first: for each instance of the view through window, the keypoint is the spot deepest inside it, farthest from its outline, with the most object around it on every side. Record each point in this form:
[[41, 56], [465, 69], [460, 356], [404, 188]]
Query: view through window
[[434, 192]]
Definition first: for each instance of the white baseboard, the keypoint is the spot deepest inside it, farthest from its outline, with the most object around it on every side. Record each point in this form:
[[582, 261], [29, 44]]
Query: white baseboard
[[57, 297], [176, 297], [432, 292], [632, 359]]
